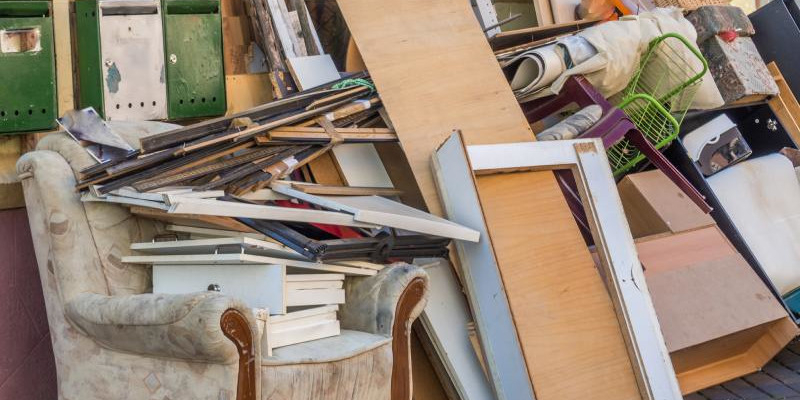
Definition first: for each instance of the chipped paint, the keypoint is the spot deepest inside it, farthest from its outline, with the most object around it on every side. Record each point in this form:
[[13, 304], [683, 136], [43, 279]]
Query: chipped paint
[[113, 78]]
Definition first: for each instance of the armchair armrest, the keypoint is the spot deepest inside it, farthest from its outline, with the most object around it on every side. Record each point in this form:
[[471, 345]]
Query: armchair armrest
[[373, 304], [189, 327]]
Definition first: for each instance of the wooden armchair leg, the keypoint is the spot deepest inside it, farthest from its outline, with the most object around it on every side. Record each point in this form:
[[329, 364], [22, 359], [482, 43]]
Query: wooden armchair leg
[[401, 339], [235, 327]]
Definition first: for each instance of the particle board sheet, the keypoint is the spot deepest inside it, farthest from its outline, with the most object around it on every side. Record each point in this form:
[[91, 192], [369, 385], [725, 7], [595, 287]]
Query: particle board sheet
[[435, 72], [563, 314]]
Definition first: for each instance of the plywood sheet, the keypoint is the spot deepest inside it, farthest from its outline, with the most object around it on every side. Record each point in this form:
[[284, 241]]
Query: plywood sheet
[[435, 72], [564, 317]]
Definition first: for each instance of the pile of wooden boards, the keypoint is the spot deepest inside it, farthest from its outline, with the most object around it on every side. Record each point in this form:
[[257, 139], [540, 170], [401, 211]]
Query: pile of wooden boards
[[297, 299], [284, 31]]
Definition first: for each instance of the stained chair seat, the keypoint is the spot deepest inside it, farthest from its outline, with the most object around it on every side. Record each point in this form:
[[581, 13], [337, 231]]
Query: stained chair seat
[[348, 344]]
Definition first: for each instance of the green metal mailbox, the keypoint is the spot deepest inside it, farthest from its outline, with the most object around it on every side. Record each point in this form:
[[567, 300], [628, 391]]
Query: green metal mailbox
[[193, 47], [27, 67], [150, 59]]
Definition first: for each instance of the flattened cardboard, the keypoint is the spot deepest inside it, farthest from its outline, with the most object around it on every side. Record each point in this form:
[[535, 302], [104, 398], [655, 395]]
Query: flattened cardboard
[[654, 204]]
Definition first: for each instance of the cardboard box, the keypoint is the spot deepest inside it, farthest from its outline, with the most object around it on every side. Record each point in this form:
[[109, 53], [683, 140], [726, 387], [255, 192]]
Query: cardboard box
[[719, 320], [654, 205]]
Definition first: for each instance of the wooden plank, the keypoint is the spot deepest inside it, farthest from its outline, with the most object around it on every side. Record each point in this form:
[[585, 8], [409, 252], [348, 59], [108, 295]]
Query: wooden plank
[[259, 286], [234, 259], [325, 171], [317, 133], [625, 279], [314, 277], [62, 36], [202, 221], [210, 246], [445, 319], [508, 372], [314, 285], [310, 312], [360, 165], [314, 297], [389, 213], [89, 197], [312, 71], [785, 105], [214, 232], [303, 334], [311, 188], [244, 210], [395, 40]]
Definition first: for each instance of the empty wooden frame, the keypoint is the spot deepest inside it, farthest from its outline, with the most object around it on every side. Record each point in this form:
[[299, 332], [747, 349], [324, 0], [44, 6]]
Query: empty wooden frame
[[457, 167]]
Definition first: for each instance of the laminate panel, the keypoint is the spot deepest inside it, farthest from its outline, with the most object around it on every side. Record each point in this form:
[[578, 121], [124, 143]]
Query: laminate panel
[[564, 317]]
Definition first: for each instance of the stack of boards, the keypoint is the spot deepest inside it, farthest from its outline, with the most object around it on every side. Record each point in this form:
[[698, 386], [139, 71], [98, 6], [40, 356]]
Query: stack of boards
[[299, 298]]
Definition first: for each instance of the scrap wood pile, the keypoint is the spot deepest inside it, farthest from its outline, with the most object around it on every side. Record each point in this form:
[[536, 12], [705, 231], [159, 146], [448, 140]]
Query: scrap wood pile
[[235, 192], [226, 172]]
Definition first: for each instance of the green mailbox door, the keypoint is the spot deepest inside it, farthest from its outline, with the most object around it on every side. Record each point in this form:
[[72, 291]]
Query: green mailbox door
[[87, 37], [27, 67], [193, 50]]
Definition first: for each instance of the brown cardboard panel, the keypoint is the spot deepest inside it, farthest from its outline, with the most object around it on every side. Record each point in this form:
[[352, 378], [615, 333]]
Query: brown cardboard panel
[[654, 204], [702, 289], [718, 319]]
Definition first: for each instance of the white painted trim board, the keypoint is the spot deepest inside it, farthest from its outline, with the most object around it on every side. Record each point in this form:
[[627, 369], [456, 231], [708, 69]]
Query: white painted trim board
[[238, 258]]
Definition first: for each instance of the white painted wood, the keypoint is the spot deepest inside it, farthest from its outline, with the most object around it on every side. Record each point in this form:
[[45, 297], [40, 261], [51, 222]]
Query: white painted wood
[[302, 314], [479, 272], [238, 258], [89, 197], [312, 71], [258, 285], [302, 334], [623, 272], [527, 156], [314, 297], [361, 264], [314, 277], [221, 245], [376, 209], [244, 210], [133, 193], [211, 233], [283, 325], [360, 165], [445, 319], [132, 57], [487, 16], [264, 195], [170, 198], [314, 285], [617, 251], [281, 25]]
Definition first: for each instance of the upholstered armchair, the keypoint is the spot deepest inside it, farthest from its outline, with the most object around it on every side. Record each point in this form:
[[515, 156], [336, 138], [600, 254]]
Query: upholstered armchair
[[113, 339]]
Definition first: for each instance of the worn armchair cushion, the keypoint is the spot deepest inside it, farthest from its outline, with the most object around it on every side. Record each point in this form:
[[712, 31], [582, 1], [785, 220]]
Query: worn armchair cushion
[[172, 326]]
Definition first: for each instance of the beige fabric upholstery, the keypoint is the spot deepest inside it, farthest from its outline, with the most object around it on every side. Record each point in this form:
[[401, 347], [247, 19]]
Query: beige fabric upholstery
[[114, 340]]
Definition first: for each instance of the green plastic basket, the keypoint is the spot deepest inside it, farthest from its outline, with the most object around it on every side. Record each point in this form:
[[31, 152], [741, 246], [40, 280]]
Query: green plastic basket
[[658, 96]]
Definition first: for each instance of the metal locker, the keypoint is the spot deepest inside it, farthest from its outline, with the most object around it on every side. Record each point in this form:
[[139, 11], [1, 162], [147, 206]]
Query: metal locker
[[27, 67], [193, 43]]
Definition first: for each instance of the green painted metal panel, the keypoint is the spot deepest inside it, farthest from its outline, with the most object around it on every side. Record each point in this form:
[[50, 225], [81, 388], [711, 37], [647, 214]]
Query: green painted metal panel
[[193, 47], [90, 72], [27, 68]]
